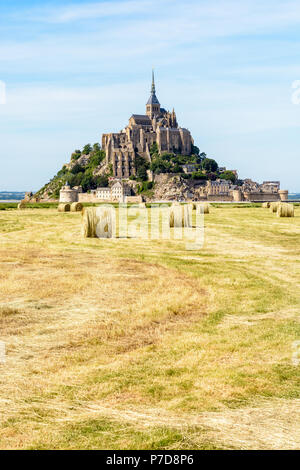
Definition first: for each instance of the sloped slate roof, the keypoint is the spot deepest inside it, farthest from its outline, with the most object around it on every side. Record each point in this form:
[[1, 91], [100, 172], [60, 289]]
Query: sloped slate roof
[[153, 99], [141, 119]]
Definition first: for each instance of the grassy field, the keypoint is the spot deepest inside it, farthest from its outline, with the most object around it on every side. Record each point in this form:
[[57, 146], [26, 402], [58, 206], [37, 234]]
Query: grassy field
[[135, 344]]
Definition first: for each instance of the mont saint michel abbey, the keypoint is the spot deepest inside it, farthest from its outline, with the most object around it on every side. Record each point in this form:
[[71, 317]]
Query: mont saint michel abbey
[[157, 125]]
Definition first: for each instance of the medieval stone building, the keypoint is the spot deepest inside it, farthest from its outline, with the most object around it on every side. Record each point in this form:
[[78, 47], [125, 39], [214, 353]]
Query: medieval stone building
[[157, 125]]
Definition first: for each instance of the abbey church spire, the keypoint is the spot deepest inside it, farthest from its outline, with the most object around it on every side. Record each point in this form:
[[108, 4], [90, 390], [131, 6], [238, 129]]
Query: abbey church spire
[[153, 105], [153, 84]]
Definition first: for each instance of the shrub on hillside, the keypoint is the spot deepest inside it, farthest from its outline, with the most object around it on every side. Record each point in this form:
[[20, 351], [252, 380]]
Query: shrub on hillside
[[228, 176], [210, 165]]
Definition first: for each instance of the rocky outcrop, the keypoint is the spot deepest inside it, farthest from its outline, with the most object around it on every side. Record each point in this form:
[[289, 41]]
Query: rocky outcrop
[[174, 187]]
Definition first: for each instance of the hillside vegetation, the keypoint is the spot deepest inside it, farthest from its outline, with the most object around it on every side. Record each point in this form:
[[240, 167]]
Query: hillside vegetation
[[88, 168], [136, 344]]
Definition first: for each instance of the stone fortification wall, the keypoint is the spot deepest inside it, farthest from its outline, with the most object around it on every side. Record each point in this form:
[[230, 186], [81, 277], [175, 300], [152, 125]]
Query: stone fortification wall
[[261, 197], [219, 197], [88, 197]]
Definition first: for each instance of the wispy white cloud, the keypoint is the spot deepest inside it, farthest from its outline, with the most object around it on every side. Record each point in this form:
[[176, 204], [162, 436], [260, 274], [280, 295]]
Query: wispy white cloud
[[160, 33], [226, 66], [86, 11], [224, 17]]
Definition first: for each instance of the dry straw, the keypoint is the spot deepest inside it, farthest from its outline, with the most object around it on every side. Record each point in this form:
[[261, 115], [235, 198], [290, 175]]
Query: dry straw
[[285, 210], [22, 205], [107, 222], [76, 207], [266, 205], [89, 222], [187, 216], [64, 207], [179, 216], [98, 222], [274, 206], [202, 208]]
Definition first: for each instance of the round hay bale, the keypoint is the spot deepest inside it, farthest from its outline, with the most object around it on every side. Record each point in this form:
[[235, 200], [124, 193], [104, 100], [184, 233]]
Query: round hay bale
[[175, 216], [187, 216], [274, 206], [203, 208], [285, 210], [89, 222], [179, 216], [22, 205], [64, 207], [76, 207], [98, 222], [266, 205], [107, 222]]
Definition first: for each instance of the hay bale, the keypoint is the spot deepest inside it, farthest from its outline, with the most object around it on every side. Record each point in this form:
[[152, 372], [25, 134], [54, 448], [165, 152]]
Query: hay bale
[[187, 216], [64, 207], [179, 216], [22, 205], [266, 205], [89, 222], [175, 217], [76, 207], [285, 210], [203, 208], [107, 222], [98, 222], [274, 206]]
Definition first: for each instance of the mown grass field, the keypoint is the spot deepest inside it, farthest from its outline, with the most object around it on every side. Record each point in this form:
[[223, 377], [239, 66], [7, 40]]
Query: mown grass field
[[136, 344]]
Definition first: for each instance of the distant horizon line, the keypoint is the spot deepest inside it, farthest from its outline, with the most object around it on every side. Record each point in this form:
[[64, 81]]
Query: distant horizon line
[[22, 192]]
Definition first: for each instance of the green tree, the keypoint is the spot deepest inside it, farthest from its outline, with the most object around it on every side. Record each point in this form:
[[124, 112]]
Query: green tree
[[154, 149], [158, 165], [62, 172], [141, 167], [208, 164], [228, 175], [75, 180], [75, 155], [198, 175], [195, 150], [96, 158], [77, 169], [87, 149], [167, 156], [101, 181], [177, 168], [88, 181], [96, 147], [144, 186]]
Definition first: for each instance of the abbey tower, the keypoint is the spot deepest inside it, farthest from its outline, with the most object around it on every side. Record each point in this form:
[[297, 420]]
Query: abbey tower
[[153, 105], [157, 125]]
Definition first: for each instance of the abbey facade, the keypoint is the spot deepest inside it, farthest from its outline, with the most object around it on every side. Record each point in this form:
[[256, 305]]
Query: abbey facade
[[157, 125]]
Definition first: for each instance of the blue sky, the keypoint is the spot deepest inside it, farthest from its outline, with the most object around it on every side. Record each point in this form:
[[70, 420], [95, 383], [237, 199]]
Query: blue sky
[[76, 69]]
